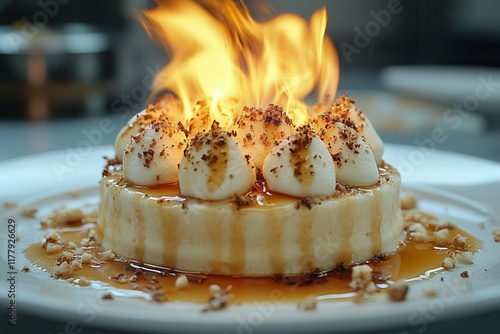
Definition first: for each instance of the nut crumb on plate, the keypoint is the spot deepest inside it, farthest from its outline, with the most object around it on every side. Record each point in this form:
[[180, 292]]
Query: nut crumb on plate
[[52, 236], [90, 240], [107, 255], [442, 224], [9, 205], [459, 241], [430, 291], [52, 243], [63, 267], [465, 257], [496, 235], [158, 296], [219, 298], [76, 264], [419, 233], [67, 216], [442, 237], [397, 291], [448, 263], [29, 212], [86, 257], [308, 304], [362, 281], [408, 201], [52, 248], [81, 281], [107, 296], [181, 282]]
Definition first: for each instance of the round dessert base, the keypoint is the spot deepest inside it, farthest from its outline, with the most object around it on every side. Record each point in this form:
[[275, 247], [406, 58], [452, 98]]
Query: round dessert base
[[259, 234]]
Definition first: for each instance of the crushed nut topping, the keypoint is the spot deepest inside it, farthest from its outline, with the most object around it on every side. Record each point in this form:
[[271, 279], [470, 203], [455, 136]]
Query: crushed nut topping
[[219, 298]]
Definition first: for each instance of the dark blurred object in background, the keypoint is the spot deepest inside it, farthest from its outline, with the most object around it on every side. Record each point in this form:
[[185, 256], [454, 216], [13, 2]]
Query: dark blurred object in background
[[58, 57], [63, 58]]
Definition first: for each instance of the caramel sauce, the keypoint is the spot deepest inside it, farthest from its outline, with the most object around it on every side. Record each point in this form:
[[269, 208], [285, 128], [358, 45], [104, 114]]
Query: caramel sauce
[[412, 261]]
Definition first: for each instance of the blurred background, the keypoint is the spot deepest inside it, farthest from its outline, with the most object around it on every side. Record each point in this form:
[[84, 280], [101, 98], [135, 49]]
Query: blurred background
[[415, 67], [412, 66]]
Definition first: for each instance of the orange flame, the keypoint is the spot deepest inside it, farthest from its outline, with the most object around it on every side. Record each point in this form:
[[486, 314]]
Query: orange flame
[[220, 54]]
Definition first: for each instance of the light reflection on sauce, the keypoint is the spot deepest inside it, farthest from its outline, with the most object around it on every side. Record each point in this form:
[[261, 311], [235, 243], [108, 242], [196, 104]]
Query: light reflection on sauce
[[412, 262]]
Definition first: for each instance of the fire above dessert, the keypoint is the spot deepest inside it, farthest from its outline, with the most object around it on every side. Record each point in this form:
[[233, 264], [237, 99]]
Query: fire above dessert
[[230, 173]]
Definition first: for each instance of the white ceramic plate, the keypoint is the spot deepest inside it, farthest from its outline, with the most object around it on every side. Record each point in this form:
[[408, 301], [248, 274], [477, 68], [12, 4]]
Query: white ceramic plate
[[43, 182]]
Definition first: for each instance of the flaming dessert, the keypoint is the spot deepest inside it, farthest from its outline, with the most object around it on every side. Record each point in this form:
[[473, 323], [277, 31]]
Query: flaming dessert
[[230, 172]]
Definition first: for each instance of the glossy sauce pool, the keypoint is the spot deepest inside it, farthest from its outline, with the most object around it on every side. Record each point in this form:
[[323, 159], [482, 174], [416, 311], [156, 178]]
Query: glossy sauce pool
[[412, 261]]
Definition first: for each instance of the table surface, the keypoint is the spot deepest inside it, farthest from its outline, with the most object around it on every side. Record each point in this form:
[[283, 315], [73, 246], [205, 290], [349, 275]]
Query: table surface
[[23, 138]]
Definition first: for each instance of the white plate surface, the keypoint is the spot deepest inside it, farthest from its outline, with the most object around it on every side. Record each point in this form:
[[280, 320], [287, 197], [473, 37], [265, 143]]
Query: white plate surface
[[42, 181]]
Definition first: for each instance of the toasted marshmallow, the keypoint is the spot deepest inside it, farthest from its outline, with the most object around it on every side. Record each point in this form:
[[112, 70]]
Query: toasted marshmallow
[[300, 166], [166, 108], [152, 156], [345, 108], [214, 166], [201, 120], [258, 131], [355, 163]]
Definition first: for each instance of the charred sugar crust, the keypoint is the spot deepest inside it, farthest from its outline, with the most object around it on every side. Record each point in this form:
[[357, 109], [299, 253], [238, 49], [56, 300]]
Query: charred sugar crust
[[330, 118], [260, 182], [299, 142], [216, 136], [301, 139], [273, 115], [244, 200], [306, 202], [343, 105]]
